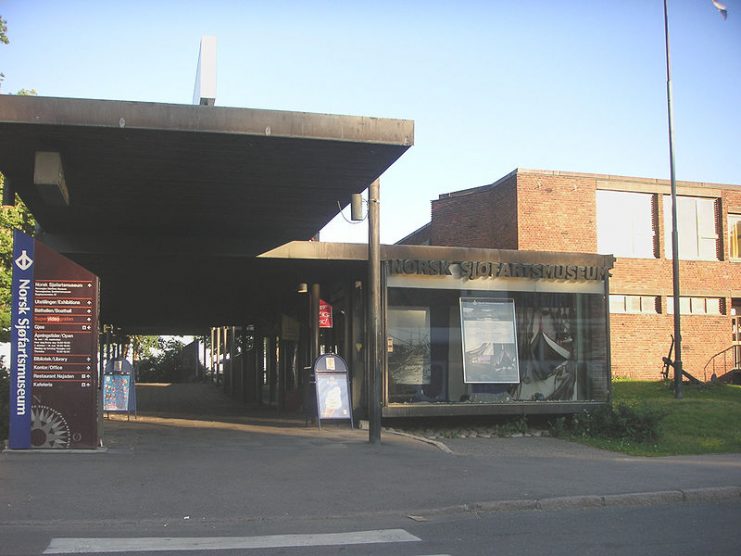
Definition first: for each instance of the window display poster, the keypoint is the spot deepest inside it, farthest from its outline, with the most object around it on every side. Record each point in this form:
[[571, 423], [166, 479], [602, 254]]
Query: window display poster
[[489, 341], [116, 393], [333, 396], [408, 345]]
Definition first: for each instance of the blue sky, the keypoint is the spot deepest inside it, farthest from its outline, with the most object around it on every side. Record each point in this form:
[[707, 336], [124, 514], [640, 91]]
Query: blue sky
[[491, 85]]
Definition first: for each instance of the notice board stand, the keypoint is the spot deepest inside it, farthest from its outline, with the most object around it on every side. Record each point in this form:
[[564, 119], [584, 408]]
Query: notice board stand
[[332, 379], [119, 388]]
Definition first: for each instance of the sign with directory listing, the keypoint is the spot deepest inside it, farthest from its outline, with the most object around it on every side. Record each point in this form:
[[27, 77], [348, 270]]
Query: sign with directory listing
[[54, 340]]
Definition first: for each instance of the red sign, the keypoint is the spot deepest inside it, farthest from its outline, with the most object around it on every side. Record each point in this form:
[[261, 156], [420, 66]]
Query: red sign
[[325, 314]]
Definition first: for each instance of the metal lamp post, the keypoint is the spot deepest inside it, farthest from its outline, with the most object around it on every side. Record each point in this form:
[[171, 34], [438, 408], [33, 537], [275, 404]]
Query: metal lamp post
[[675, 234]]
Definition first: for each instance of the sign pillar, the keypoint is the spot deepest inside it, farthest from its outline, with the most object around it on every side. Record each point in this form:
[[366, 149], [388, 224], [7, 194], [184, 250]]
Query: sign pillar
[[54, 344]]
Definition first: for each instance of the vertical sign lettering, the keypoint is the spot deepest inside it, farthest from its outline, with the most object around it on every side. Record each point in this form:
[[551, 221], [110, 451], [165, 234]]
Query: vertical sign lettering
[[21, 341]]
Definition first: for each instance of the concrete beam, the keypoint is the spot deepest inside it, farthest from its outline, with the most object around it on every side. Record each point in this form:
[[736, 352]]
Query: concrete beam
[[39, 111], [48, 177]]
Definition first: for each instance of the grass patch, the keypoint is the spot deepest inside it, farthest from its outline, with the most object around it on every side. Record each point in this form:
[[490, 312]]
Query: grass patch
[[705, 421]]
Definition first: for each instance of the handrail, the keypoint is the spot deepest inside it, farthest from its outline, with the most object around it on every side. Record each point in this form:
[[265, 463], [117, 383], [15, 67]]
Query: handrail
[[736, 360]]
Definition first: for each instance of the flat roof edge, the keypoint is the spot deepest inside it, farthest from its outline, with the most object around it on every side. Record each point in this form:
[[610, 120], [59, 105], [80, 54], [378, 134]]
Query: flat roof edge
[[599, 177], [621, 178], [33, 110], [359, 252]]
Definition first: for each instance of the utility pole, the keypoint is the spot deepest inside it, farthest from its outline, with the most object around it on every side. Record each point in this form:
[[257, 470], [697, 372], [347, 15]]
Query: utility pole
[[374, 314], [675, 233]]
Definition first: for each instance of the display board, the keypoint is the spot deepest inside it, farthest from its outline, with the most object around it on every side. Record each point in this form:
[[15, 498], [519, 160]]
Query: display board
[[119, 387], [489, 341], [54, 339], [332, 388]]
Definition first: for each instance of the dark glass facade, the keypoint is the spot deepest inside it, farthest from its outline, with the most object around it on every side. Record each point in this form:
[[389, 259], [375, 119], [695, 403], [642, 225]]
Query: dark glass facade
[[509, 347]]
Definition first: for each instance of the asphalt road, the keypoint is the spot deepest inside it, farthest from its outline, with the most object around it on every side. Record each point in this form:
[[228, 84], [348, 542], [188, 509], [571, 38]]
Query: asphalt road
[[672, 530], [240, 484]]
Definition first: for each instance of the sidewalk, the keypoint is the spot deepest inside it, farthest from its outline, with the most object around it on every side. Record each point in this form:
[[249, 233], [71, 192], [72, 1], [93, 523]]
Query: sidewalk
[[212, 462]]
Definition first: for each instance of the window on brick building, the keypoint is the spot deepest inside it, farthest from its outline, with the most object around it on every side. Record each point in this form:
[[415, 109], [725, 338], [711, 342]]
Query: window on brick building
[[633, 304], [734, 236], [697, 228], [695, 305], [625, 224]]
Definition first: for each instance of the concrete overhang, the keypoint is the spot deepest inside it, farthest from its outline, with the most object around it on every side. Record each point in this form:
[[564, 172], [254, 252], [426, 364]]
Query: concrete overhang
[[175, 200]]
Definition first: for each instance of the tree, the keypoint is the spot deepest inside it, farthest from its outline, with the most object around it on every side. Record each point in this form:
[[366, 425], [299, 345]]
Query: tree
[[15, 217], [12, 217], [3, 39], [162, 365]]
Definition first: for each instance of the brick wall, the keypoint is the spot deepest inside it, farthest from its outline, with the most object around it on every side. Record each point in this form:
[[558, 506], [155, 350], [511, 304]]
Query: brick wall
[[484, 217], [638, 342], [556, 212]]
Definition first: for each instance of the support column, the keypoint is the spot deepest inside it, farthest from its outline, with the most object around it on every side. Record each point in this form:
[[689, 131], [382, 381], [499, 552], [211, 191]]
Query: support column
[[231, 361], [374, 313], [211, 354], [204, 355], [259, 366], [218, 355], [242, 364], [314, 321]]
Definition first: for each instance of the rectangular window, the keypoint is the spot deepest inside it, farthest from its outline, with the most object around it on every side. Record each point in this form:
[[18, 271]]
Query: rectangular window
[[694, 305], [633, 304], [625, 224], [734, 236], [696, 228]]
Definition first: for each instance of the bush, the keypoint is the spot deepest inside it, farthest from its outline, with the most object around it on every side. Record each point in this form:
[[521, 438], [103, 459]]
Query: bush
[[622, 422]]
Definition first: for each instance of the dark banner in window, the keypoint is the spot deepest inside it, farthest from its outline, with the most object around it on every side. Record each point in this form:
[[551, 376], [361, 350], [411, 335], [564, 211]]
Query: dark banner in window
[[489, 341]]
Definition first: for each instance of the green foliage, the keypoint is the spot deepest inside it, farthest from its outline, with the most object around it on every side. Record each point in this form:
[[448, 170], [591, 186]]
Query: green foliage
[[3, 39], [144, 346], [163, 364], [705, 421], [621, 422], [16, 217], [4, 31], [4, 404], [516, 425]]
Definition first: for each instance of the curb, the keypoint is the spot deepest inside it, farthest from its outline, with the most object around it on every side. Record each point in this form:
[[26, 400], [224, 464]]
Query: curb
[[437, 444], [663, 497]]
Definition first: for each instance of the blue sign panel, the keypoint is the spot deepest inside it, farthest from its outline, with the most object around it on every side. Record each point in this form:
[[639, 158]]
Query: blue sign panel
[[21, 341]]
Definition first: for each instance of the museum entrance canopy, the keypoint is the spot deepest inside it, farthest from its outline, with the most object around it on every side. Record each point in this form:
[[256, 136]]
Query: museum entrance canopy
[[170, 204]]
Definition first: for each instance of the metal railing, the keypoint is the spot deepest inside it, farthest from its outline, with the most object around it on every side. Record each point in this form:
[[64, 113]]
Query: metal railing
[[731, 360]]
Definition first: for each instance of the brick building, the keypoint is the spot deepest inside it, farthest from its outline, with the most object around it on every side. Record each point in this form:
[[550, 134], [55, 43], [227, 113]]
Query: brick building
[[628, 217]]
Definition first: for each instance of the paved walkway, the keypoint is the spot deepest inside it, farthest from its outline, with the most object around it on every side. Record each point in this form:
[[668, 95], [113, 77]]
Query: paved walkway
[[194, 454]]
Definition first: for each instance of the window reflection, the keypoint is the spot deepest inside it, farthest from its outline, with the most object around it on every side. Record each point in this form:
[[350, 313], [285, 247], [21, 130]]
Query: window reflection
[[561, 343]]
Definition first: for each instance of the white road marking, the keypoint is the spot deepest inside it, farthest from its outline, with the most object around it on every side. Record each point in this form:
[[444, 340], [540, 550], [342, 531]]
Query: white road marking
[[152, 544]]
